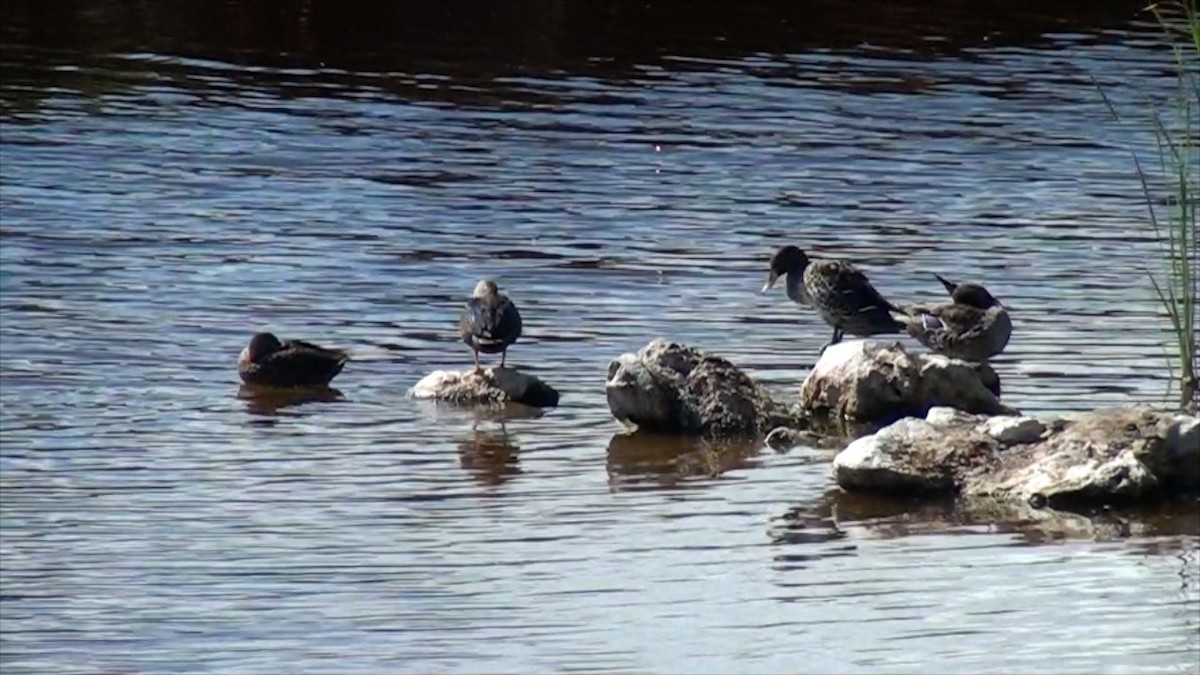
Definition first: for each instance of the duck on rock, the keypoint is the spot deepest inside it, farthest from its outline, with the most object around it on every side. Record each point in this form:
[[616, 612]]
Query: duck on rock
[[271, 362], [490, 322], [973, 327], [838, 291]]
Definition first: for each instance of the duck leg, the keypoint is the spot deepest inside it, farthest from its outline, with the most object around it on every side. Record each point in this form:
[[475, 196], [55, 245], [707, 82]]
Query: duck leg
[[503, 355], [475, 353], [837, 337]]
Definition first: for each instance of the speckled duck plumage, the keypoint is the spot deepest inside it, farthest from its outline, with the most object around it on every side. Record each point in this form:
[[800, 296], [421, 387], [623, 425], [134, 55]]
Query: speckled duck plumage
[[840, 293], [269, 361], [490, 323], [973, 327]]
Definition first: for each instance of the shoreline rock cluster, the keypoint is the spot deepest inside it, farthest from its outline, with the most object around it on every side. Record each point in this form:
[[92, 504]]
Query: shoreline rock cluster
[[916, 423]]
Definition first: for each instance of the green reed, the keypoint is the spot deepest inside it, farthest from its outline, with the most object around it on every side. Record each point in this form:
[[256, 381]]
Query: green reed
[[1173, 218]]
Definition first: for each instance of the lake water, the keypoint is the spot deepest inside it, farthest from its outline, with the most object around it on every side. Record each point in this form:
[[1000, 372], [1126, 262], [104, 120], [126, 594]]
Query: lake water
[[178, 175]]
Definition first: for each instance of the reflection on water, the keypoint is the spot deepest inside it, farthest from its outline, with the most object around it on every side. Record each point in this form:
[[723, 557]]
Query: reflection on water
[[177, 174], [269, 401]]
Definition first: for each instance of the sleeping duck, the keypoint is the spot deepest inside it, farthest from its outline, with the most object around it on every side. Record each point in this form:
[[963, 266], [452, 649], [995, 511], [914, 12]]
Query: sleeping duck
[[973, 327], [268, 361]]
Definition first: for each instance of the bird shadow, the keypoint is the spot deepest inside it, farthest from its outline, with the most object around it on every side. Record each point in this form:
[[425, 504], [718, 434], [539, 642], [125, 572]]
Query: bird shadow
[[490, 456], [271, 401]]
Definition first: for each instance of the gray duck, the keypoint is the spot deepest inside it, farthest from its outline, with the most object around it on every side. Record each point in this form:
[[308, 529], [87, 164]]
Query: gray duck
[[271, 362], [973, 327], [838, 291], [490, 323]]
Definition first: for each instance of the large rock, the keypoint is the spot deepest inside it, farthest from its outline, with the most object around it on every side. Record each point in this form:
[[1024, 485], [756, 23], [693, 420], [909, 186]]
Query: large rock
[[671, 388], [867, 381], [1100, 457], [493, 385]]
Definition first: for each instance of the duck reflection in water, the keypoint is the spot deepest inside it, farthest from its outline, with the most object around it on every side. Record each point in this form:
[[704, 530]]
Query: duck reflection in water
[[269, 401], [491, 456], [642, 460]]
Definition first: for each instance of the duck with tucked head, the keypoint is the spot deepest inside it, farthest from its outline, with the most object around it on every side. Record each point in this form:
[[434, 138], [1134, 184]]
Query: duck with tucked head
[[271, 362], [490, 322], [973, 327], [837, 290]]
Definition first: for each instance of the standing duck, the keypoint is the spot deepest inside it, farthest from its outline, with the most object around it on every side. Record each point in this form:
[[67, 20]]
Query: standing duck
[[974, 327], [269, 361], [490, 322], [840, 293]]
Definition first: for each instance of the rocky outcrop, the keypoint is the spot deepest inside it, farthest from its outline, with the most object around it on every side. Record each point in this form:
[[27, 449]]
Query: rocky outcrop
[[867, 381], [1100, 457], [667, 387], [493, 385]]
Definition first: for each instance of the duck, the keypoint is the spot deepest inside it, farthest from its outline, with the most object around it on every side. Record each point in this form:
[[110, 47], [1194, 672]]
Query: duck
[[840, 293], [974, 326], [271, 362], [490, 322]]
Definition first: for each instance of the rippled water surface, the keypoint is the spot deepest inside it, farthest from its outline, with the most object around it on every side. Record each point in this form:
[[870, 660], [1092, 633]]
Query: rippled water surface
[[177, 175]]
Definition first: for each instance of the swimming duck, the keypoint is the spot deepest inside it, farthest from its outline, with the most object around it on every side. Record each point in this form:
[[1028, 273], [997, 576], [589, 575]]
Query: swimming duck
[[490, 322], [839, 292], [269, 361], [974, 327]]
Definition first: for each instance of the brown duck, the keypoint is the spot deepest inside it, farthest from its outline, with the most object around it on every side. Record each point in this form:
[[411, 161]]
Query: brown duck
[[490, 323], [838, 291], [973, 327], [269, 361]]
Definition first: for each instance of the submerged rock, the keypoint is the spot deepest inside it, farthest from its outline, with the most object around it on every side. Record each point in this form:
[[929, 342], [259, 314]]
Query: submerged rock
[[1100, 457], [667, 387], [867, 381], [493, 385]]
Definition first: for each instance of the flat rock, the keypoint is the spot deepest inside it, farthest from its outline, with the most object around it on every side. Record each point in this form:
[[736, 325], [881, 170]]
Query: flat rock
[[667, 387], [493, 385], [1013, 429], [1100, 457], [868, 381]]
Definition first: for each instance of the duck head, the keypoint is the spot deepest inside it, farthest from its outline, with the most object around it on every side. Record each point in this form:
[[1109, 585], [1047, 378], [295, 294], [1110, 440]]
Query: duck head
[[261, 346], [485, 288], [972, 295], [787, 259]]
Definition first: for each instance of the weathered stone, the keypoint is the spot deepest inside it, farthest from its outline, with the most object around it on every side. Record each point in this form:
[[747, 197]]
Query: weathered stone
[[865, 380], [671, 388], [1013, 430], [940, 415], [1099, 457], [493, 385], [910, 455]]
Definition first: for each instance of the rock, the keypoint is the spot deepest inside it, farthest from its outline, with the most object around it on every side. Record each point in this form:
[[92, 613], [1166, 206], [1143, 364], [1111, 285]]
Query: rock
[[865, 380], [1100, 457], [940, 415], [909, 456], [1013, 430], [493, 385], [667, 387]]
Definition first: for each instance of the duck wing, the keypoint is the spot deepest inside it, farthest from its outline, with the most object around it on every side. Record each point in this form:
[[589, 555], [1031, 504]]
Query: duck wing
[[304, 363], [491, 321]]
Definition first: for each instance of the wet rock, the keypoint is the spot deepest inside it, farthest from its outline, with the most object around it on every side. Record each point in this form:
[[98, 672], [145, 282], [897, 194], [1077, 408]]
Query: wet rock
[[493, 385], [865, 380], [667, 387], [1100, 457], [1013, 429]]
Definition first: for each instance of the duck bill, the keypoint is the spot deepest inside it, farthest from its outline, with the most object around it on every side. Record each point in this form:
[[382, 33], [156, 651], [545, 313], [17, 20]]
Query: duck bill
[[771, 279], [949, 285]]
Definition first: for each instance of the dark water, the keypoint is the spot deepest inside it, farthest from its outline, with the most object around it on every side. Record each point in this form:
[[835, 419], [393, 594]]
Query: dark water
[[177, 175]]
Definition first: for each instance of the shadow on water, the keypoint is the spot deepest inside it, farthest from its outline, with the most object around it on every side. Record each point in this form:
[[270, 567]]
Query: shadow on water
[[476, 53], [490, 456], [269, 402], [838, 514], [644, 460]]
